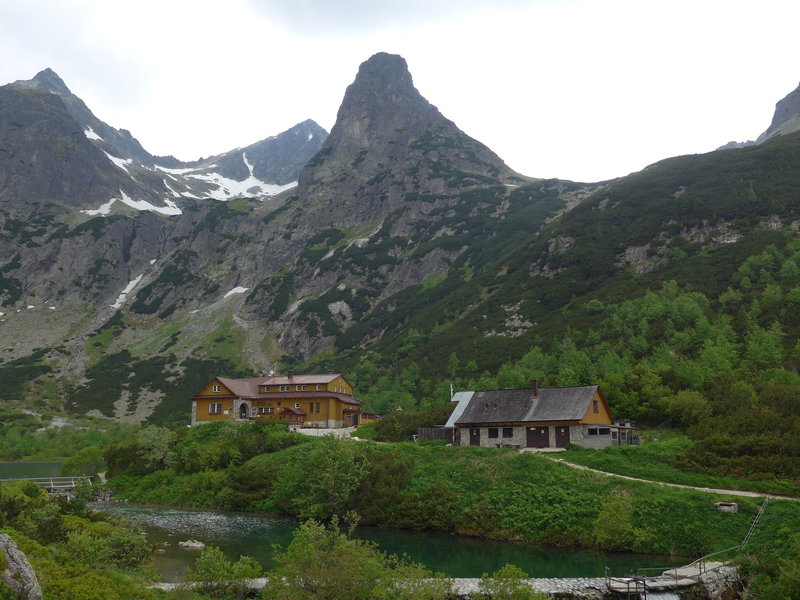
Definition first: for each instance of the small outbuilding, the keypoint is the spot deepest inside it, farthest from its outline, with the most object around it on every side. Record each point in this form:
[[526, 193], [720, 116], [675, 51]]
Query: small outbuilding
[[537, 417]]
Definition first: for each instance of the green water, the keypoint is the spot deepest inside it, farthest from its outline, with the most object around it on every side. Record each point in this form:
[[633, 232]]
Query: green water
[[239, 534], [29, 468]]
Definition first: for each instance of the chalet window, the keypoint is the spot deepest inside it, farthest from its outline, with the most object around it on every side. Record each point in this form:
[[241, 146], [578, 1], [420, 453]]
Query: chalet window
[[595, 406], [266, 389], [285, 388], [319, 387], [605, 431], [613, 435], [215, 388], [508, 432], [592, 430], [279, 403], [266, 411], [297, 405], [492, 432], [215, 408]]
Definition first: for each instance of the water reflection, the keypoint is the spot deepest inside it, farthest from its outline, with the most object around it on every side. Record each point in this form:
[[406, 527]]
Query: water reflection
[[239, 534]]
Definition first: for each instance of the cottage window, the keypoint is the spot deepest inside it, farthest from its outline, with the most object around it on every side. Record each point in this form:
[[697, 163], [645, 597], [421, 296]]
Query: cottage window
[[319, 387], [215, 408], [613, 435], [595, 406], [592, 430], [508, 432], [297, 405], [492, 432], [215, 388], [605, 431]]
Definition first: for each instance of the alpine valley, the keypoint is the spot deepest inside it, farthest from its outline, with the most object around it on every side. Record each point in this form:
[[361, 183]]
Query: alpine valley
[[394, 247]]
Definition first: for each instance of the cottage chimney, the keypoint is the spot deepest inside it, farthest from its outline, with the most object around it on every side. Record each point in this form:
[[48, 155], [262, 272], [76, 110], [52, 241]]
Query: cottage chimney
[[535, 386], [290, 373]]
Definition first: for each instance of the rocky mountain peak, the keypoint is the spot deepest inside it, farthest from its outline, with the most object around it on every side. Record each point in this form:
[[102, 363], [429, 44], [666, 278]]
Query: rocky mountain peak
[[381, 99], [48, 79], [786, 118], [387, 135]]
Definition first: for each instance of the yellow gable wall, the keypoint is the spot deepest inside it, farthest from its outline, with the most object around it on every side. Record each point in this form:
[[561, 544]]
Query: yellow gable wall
[[209, 387], [340, 386], [602, 417]]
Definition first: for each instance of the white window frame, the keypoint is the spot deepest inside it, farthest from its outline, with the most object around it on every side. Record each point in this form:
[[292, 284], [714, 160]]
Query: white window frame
[[215, 388], [215, 408]]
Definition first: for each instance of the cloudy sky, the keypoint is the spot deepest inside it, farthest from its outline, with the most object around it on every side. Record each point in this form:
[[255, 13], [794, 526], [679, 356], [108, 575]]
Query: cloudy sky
[[576, 89]]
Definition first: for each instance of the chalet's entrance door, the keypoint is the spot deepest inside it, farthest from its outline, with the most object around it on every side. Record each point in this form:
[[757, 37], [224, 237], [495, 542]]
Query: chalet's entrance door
[[562, 437], [474, 436], [243, 411], [538, 437]]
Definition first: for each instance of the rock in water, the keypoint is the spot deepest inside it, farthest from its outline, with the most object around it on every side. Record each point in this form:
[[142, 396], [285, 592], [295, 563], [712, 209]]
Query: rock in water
[[18, 574]]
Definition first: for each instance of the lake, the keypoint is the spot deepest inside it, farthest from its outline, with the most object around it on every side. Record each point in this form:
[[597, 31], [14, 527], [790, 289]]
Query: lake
[[29, 468], [239, 534]]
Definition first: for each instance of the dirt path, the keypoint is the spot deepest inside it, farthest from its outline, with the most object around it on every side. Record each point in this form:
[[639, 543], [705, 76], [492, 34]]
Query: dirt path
[[677, 485]]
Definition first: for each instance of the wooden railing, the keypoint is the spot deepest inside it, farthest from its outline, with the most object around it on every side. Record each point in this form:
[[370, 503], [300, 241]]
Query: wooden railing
[[54, 483]]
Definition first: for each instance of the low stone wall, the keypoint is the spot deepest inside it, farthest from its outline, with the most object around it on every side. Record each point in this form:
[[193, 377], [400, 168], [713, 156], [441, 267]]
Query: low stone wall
[[583, 588], [720, 584]]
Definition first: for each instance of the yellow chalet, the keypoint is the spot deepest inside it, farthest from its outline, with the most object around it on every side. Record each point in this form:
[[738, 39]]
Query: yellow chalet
[[309, 400]]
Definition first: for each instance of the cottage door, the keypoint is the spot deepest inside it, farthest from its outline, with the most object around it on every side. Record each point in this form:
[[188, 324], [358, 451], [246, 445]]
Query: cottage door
[[562, 437], [243, 411], [538, 437], [474, 436]]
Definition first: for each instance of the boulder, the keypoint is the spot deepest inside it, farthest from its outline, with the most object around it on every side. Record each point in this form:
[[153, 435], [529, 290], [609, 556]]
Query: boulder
[[17, 573]]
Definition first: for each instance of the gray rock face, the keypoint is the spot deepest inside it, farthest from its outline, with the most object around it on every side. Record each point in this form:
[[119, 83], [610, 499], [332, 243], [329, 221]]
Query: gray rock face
[[18, 574], [786, 118]]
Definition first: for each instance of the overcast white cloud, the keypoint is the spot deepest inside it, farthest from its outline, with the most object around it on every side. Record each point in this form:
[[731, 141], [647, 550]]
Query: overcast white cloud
[[579, 89]]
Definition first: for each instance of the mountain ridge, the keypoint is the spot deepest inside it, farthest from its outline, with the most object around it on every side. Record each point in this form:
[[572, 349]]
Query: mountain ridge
[[405, 242]]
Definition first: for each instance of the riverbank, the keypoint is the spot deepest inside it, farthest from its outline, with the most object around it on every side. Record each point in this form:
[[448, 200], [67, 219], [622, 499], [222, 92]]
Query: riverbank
[[720, 583]]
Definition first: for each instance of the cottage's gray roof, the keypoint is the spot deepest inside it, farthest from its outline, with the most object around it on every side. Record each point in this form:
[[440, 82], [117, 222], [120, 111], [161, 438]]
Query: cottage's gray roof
[[462, 398], [515, 406]]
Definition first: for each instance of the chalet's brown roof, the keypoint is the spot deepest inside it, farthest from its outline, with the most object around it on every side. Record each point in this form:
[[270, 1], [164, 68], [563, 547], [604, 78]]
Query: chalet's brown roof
[[244, 388], [299, 379], [520, 406], [295, 411]]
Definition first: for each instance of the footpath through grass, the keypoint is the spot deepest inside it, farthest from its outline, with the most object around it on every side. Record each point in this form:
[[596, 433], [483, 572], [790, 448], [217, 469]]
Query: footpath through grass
[[656, 459]]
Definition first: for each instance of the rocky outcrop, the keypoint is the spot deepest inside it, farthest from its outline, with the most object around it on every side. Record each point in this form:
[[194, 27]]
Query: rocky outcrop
[[786, 118], [17, 573]]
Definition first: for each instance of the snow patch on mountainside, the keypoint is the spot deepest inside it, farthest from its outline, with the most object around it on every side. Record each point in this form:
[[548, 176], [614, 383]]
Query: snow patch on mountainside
[[128, 289], [122, 163], [226, 189], [171, 209], [89, 133], [236, 290], [230, 188]]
